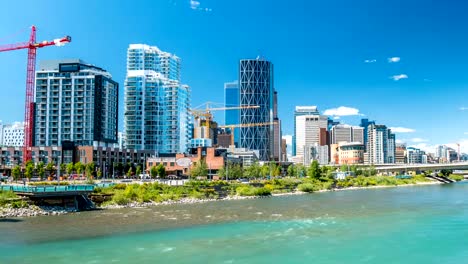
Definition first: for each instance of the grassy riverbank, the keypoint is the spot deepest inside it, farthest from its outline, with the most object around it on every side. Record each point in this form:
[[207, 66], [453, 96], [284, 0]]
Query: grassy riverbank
[[124, 194]]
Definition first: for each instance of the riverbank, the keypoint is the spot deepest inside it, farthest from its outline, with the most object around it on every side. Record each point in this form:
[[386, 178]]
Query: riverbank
[[196, 195]]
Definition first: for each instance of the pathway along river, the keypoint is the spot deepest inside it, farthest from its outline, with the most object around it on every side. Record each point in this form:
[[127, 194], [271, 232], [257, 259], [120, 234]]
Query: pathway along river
[[420, 224]]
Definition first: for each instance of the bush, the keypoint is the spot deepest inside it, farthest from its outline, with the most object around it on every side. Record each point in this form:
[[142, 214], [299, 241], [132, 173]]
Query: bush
[[308, 187], [120, 198], [245, 191], [456, 177], [262, 191]]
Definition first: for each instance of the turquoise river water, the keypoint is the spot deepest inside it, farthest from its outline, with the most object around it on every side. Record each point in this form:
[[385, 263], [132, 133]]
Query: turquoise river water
[[422, 224]]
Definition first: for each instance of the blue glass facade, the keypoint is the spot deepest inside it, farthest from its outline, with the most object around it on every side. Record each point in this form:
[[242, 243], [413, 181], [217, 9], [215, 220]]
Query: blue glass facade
[[256, 89], [232, 99], [156, 103]]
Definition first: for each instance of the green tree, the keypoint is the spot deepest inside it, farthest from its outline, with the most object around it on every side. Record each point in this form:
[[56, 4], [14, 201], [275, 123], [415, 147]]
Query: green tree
[[265, 170], [292, 171], [50, 168], [99, 173], [344, 168], [200, 169], [138, 170], [40, 168], [70, 168], [314, 170], [253, 171], [79, 167], [154, 172], [16, 172], [63, 168], [301, 170], [161, 171], [118, 168], [130, 172], [90, 168], [29, 170], [276, 170]]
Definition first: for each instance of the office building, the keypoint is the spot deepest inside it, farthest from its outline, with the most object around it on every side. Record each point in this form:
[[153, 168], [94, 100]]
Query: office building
[[365, 124], [346, 133], [310, 130], [380, 145], [257, 89], [12, 135], [316, 152], [301, 111], [415, 156], [351, 153], [277, 133], [232, 99], [400, 153], [157, 105], [75, 101]]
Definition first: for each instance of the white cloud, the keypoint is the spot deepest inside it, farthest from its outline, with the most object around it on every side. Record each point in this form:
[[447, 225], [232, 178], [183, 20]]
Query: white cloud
[[399, 141], [394, 59], [425, 147], [370, 61], [463, 108], [463, 145], [402, 130], [466, 133], [288, 139], [195, 5], [419, 140], [342, 111], [399, 77], [336, 117]]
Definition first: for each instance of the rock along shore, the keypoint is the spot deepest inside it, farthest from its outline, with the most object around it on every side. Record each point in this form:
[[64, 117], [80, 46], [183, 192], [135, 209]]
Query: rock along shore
[[8, 212]]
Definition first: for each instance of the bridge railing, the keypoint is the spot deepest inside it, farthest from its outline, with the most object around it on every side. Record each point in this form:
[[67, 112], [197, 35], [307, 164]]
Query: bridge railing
[[45, 189]]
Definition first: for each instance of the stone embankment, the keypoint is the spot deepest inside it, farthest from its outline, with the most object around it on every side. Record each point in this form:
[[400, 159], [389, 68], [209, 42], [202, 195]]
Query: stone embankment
[[8, 212]]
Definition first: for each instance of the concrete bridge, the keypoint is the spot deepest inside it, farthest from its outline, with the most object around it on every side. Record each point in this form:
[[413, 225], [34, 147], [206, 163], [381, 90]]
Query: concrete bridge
[[421, 167]]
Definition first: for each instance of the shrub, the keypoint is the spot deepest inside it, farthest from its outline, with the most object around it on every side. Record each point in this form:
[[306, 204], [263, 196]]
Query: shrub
[[262, 191], [308, 187], [456, 177], [120, 198]]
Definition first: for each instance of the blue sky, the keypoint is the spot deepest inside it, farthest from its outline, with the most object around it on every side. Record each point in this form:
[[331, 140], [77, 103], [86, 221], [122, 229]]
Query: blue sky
[[319, 50]]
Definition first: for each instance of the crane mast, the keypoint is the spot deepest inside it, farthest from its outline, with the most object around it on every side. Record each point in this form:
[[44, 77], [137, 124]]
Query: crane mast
[[32, 47]]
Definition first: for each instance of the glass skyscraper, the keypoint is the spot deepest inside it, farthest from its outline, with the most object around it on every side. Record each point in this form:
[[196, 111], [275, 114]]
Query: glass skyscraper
[[256, 89], [301, 111], [156, 103], [232, 99]]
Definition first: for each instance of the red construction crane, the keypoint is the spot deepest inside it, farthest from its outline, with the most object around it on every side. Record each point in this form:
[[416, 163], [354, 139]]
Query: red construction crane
[[30, 79]]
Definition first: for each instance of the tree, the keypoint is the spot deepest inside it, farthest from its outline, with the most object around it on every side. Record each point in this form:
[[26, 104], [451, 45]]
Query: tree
[[90, 168], [154, 172], [16, 172], [161, 171], [265, 171], [70, 168], [445, 172], [79, 167], [138, 170], [40, 168], [130, 172], [29, 171], [63, 168], [200, 169], [301, 170], [99, 173], [276, 170], [344, 168], [292, 170], [118, 167], [50, 168], [314, 170], [253, 171]]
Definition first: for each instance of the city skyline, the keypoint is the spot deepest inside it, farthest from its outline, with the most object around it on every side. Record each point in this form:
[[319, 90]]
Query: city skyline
[[409, 81]]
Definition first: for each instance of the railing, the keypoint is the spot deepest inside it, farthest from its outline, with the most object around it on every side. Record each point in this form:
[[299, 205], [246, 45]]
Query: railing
[[45, 189]]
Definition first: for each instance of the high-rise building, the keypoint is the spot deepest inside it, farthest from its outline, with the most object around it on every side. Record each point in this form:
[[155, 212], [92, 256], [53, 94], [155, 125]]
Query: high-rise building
[[400, 153], [301, 111], [365, 124], [380, 145], [232, 99], [75, 101], [277, 133], [415, 156], [12, 135], [256, 89], [316, 152], [156, 103], [341, 133], [310, 130]]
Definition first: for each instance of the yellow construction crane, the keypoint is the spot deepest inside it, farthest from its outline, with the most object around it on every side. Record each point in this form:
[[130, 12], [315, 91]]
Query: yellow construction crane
[[245, 125], [205, 113]]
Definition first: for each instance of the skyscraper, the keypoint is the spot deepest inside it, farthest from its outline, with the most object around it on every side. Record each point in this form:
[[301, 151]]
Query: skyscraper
[[301, 111], [232, 99], [380, 145], [346, 133], [310, 130], [156, 103], [365, 124], [256, 89], [75, 101]]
